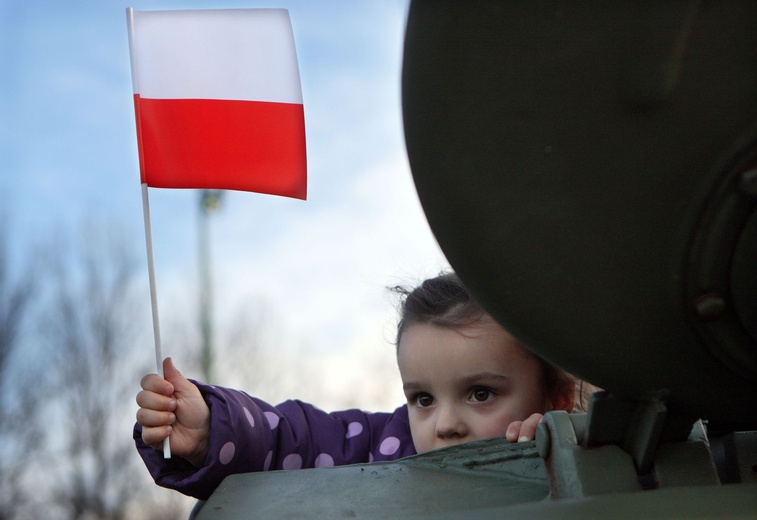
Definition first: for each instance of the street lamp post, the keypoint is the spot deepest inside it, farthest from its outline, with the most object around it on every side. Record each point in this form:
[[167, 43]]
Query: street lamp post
[[210, 202]]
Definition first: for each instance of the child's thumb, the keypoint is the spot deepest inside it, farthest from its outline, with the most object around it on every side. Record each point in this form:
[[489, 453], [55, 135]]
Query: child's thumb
[[173, 376]]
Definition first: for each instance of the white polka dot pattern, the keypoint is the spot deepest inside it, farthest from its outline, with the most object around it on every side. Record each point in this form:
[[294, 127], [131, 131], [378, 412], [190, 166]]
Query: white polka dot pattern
[[354, 429], [273, 419], [292, 461], [250, 418], [268, 460], [226, 453], [389, 446], [324, 460]]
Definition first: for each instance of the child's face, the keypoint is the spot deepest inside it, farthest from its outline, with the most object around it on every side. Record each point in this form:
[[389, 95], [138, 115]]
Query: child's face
[[466, 384]]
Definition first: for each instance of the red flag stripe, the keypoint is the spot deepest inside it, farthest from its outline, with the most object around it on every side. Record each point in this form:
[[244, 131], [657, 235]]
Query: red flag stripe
[[221, 144]]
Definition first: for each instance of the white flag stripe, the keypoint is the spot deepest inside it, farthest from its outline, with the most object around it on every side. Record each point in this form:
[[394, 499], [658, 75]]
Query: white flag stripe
[[231, 54]]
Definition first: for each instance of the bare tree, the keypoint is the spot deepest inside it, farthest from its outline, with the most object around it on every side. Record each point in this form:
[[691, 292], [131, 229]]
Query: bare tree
[[96, 319], [17, 429]]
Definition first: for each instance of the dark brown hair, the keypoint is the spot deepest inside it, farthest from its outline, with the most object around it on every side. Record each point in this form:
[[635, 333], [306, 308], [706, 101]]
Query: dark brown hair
[[445, 301]]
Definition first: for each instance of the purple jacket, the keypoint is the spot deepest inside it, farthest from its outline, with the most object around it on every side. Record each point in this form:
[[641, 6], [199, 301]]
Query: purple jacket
[[247, 434]]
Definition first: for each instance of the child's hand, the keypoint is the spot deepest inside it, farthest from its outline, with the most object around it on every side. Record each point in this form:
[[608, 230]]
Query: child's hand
[[174, 406], [521, 431]]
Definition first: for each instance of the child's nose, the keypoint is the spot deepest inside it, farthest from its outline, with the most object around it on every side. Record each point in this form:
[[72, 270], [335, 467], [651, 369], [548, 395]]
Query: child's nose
[[449, 422]]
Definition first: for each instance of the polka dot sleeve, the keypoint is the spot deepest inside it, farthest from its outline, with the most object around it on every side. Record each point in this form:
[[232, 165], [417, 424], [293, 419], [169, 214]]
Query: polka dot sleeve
[[247, 434]]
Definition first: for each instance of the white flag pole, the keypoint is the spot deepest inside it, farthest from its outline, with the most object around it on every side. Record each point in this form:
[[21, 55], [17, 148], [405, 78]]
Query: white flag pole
[[154, 299], [148, 233]]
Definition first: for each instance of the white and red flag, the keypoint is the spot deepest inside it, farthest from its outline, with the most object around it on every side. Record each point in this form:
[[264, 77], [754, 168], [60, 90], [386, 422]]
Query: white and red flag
[[218, 100], [218, 105]]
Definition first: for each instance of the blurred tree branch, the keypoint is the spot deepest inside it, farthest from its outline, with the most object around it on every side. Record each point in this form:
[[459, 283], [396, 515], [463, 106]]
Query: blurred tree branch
[[18, 431], [92, 329]]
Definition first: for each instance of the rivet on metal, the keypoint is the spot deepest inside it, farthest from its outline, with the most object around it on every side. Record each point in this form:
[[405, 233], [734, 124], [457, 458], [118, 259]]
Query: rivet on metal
[[709, 306]]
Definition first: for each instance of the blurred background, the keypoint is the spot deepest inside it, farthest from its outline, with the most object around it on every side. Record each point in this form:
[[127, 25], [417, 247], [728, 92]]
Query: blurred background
[[296, 292]]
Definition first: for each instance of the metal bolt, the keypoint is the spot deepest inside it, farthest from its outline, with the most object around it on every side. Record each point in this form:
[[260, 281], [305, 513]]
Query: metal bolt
[[710, 306]]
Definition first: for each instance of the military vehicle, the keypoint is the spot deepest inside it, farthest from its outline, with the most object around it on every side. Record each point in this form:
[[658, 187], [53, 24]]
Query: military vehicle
[[590, 171]]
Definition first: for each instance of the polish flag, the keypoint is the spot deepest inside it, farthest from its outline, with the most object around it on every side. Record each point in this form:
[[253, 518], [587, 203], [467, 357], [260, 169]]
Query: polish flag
[[218, 100]]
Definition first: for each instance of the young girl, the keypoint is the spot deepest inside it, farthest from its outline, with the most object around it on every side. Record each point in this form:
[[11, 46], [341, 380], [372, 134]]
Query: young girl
[[465, 377]]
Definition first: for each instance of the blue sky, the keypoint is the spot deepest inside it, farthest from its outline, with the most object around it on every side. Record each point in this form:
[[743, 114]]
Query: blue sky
[[68, 153]]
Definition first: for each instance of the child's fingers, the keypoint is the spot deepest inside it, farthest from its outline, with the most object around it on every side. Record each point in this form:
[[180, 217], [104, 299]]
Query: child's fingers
[[153, 401], [513, 431], [152, 418], [155, 383], [154, 437], [528, 428], [521, 431]]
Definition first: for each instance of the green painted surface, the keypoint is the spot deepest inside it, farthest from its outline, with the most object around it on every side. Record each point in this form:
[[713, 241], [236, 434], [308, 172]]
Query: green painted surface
[[484, 474], [484, 480], [734, 502]]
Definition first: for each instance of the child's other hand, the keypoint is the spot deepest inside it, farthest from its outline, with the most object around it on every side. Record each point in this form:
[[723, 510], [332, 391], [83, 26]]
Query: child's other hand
[[520, 431], [172, 405]]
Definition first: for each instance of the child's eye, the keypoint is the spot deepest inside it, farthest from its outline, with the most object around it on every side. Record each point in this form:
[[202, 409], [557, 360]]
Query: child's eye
[[481, 394], [423, 400]]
